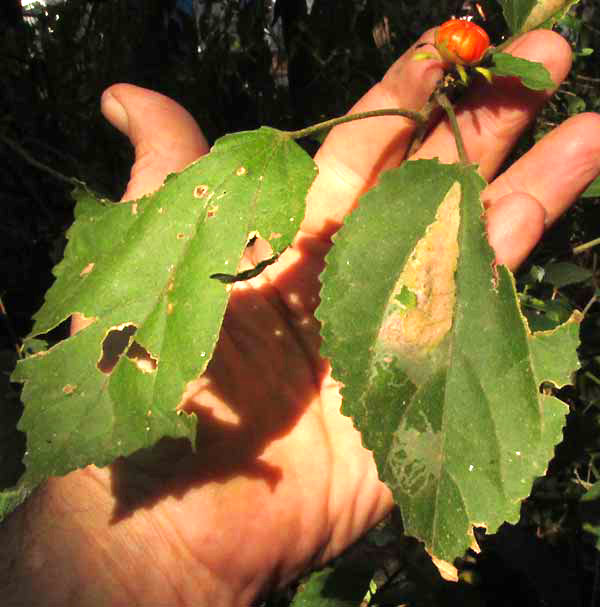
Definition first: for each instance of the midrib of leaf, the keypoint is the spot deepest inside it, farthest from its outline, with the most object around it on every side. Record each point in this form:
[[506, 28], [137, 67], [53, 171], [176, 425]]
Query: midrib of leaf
[[268, 160], [506, 283], [454, 358]]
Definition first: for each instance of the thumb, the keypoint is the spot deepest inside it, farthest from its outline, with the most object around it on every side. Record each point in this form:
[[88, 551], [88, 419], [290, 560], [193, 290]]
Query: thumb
[[165, 136]]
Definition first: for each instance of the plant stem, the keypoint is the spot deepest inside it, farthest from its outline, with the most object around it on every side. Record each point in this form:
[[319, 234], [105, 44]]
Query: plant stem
[[421, 130], [588, 305], [585, 246], [445, 104], [36, 163], [321, 126]]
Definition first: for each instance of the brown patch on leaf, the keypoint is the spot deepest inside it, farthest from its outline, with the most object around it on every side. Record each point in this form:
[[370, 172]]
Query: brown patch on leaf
[[212, 211], [241, 171], [69, 389], [87, 269], [429, 275], [447, 570], [134, 208], [200, 191]]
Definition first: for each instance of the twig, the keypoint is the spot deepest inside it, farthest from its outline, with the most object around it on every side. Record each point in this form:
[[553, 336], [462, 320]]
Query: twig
[[585, 246], [36, 163]]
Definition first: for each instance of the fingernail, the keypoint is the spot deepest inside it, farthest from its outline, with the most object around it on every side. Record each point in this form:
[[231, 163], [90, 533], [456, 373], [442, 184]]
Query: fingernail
[[114, 112]]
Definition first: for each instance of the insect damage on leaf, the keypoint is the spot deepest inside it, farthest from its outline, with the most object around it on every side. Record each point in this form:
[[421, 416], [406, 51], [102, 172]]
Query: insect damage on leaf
[[415, 455], [151, 298], [439, 371], [411, 332], [114, 345], [119, 341], [142, 359]]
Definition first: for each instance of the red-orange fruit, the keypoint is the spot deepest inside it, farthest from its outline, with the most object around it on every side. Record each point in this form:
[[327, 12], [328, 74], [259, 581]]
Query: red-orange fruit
[[460, 41]]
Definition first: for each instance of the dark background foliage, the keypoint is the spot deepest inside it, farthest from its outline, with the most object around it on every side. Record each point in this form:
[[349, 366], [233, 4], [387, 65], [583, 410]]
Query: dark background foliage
[[237, 64]]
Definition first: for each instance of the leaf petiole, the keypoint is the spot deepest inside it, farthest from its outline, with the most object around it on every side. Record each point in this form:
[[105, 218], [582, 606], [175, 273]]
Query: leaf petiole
[[417, 117]]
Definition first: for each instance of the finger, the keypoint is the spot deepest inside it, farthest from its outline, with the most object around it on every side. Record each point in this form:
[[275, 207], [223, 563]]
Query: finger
[[165, 136], [493, 117], [515, 223], [556, 170], [354, 154]]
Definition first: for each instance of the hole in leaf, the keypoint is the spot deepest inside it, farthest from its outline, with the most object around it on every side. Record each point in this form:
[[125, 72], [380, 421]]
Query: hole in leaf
[[51, 337], [143, 360], [113, 346]]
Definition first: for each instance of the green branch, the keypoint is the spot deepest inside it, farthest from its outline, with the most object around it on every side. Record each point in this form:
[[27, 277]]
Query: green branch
[[445, 104], [322, 126]]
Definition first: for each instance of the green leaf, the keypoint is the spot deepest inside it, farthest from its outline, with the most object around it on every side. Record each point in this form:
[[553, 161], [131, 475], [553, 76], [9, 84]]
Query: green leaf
[[563, 273], [545, 314], [524, 15], [589, 512], [446, 395], [12, 498], [575, 105], [333, 587], [584, 52], [142, 271], [516, 12], [593, 190], [532, 74]]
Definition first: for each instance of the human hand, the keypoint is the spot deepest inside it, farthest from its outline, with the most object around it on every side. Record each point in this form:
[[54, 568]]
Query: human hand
[[280, 481]]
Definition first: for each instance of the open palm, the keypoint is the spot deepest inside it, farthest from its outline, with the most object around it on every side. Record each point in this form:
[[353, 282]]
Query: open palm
[[280, 480]]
